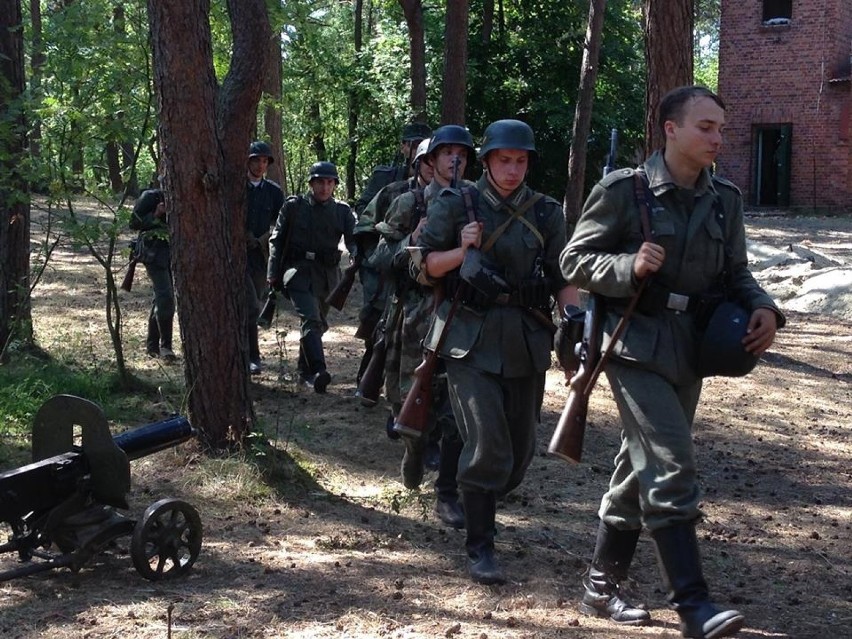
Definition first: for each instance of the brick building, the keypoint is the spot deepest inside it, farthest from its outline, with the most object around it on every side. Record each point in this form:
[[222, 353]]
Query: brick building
[[784, 74]]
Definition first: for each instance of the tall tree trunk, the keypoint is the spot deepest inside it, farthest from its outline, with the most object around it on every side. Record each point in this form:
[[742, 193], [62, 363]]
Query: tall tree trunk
[[354, 104], [573, 201], [206, 198], [318, 136], [272, 125], [667, 30], [413, 11], [36, 63], [15, 316], [455, 63]]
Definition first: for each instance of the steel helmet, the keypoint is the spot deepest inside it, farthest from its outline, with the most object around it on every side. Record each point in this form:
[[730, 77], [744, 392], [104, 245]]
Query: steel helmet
[[721, 350], [415, 131], [323, 170], [507, 134], [422, 149], [451, 134], [258, 148]]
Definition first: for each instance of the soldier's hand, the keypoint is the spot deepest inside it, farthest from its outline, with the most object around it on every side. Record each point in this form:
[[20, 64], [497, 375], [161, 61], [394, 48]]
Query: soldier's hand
[[760, 333], [471, 235], [415, 234], [648, 260]]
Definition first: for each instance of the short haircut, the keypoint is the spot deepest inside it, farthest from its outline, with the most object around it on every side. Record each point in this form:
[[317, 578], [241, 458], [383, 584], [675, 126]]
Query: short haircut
[[673, 103]]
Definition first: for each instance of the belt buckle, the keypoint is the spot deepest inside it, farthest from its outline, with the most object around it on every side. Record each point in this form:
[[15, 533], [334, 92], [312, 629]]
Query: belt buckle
[[310, 255], [678, 302]]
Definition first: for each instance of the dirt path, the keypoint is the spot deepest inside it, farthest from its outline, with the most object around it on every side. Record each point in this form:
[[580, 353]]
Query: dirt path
[[338, 548]]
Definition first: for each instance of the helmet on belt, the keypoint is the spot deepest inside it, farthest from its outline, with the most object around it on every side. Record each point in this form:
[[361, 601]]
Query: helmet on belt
[[422, 149], [507, 134], [721, 350], [451, 134], [323, 170], [415, 131], [258, 148]]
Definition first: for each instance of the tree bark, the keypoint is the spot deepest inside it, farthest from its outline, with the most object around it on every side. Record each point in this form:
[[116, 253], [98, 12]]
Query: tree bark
[[15, 315], [455, 63], [667, 28], [204, 132], [413, 11], [272, 110], [354, 103], [573, 202]]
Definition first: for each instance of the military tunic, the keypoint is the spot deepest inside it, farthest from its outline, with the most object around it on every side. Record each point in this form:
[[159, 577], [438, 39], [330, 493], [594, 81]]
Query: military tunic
[[153, 250], [653, 367], [313, 251], [496, 357]]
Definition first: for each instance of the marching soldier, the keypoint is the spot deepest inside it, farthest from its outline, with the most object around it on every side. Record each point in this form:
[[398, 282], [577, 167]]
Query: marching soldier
[[264, 199], [697, 256], [497, 347], [305, 238]]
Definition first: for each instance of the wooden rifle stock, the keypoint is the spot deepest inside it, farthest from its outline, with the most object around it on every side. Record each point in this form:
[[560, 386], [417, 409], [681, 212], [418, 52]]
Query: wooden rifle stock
[[374, 375], [337, 297], [413, 419], [264, 320], [127, 282]]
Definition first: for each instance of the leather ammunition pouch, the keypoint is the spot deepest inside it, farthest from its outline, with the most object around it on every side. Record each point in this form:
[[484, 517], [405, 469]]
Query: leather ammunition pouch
[[532, 293], [568, 336]]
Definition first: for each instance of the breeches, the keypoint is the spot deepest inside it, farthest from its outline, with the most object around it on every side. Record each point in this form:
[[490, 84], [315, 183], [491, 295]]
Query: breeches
[[497, 419], [654, 482], [311, 310], [164, 297]]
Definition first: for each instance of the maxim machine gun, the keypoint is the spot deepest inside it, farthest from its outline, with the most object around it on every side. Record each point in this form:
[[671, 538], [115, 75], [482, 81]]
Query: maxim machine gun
[[62, 507]]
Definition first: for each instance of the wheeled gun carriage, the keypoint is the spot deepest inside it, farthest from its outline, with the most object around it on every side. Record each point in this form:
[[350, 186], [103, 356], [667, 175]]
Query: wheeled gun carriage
[[62, 507]]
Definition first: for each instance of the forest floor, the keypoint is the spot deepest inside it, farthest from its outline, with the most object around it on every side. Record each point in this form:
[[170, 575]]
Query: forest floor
[[336, 547]]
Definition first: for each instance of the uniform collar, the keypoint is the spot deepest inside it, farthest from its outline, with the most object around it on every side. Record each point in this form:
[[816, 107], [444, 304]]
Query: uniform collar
[[495, 200], [309, 196], [660, 180]]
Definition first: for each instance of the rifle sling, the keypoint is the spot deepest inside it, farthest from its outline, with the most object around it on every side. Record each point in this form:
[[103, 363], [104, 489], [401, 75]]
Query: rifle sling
[[517, 214], [645, 220]]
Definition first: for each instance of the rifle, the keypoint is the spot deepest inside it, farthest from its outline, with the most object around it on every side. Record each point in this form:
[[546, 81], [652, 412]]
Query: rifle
[[127, 282], [264, 320], [371, 381], [337, 297]]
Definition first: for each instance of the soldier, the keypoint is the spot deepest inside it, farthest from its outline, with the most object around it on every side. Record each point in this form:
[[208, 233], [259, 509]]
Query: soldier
[[497, 347], [386, 183], [697, 254], [306, 236], [445, 158], [264, 199], [152, 250]]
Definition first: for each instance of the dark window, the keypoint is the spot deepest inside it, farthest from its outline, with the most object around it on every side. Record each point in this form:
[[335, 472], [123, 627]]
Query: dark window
[[777, 10]]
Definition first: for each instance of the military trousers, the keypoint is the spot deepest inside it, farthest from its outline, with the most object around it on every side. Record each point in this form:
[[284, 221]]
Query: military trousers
[[163, 305], [654, 482], [497, 419]]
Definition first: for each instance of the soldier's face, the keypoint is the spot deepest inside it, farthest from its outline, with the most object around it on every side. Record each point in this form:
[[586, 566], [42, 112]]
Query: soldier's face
[[257, 166], [323, 188], [427, 171], [697, 139], [507, 169], [444, 159]]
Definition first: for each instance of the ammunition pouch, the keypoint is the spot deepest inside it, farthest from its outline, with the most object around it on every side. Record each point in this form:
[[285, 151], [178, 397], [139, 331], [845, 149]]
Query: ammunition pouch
[[568, 336], [532, 293], [482, 276]]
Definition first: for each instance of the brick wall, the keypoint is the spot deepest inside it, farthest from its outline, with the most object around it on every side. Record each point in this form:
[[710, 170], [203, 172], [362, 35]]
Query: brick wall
[[778, 75]]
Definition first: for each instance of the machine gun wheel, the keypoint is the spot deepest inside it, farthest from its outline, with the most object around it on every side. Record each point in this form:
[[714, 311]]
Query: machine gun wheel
[[167, 540]]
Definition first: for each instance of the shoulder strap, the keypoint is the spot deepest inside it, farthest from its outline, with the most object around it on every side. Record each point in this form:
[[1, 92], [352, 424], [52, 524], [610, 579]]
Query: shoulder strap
[[517, 214], [642, 191]]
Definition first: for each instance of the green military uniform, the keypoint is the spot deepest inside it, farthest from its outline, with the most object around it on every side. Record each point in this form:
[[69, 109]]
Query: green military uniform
[[496, 355], [313, 251], [653, 367]]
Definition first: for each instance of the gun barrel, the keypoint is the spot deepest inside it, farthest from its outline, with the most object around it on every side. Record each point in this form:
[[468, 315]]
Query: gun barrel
[[154, 437]]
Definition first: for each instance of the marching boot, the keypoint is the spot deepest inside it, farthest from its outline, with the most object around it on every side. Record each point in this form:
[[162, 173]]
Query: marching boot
[[602, 597], [677, 548], [302, 366], [447, 506], [479, 513], [152, 339], [411, 467], [254, 349], [166, 329], [315, 357]]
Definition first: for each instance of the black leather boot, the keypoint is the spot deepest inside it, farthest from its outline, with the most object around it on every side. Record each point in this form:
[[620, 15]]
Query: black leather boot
[[602, 597], [255, 367], [479, 512], [319, 376], [677, 548], [411, 467], [447, 506], [166, 330]]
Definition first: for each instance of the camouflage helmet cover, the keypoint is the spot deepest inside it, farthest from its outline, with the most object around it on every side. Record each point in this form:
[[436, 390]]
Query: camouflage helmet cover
[[507, 134], [258, 148], [323, 170], [451, 134]]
